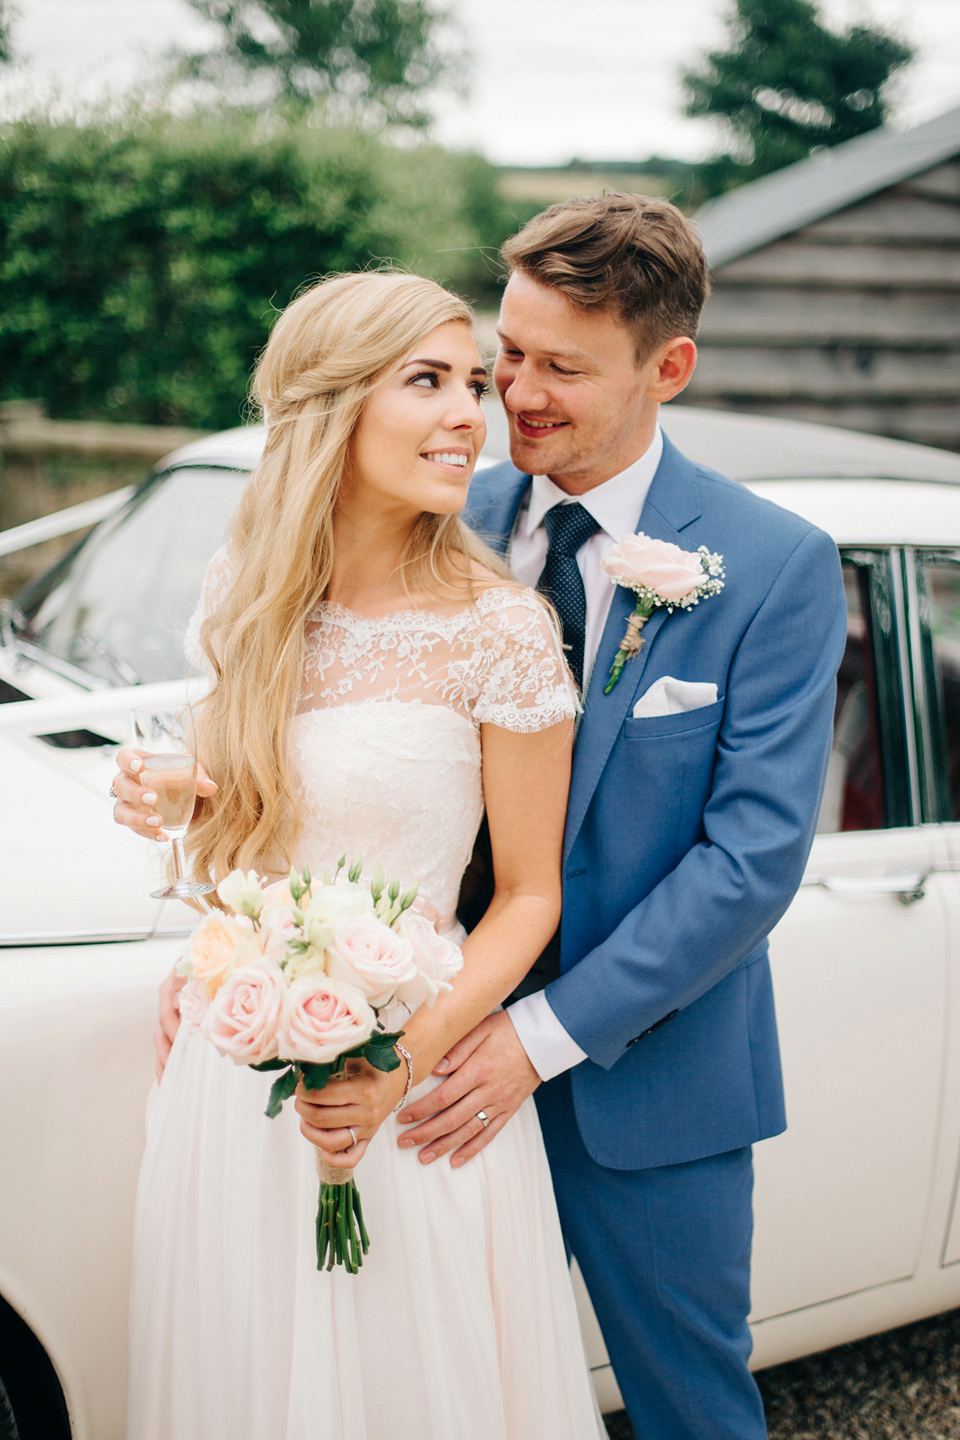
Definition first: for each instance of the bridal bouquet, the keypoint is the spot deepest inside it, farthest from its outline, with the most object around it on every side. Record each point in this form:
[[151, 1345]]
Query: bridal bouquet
[[294, 980]]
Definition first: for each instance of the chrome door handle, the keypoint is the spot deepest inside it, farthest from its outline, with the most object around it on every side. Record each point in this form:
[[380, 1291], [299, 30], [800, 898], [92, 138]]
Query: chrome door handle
[[907, 885]]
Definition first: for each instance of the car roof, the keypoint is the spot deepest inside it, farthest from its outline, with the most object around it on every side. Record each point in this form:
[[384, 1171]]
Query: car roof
[[851, 485], [745, 447]]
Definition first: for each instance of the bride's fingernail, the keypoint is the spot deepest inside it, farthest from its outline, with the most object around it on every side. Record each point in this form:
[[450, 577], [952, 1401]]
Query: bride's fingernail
[[443, 1064], [153, 819], [148, 797], [136, 764]]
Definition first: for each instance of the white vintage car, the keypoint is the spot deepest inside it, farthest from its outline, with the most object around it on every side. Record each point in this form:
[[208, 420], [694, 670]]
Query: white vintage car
[[857, 1211]]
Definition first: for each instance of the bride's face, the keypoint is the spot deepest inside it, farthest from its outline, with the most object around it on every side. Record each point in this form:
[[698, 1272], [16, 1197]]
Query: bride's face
[[422, 428]]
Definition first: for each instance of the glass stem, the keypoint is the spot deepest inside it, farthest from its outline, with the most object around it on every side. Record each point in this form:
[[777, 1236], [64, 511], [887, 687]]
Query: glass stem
[[179, 863]]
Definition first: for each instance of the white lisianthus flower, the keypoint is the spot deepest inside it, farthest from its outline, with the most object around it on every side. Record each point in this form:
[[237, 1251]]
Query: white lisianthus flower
[[329, 904], [305, 962], [243, 893]]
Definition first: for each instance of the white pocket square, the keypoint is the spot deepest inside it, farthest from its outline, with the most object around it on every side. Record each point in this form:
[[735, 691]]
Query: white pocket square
[[667, 696]]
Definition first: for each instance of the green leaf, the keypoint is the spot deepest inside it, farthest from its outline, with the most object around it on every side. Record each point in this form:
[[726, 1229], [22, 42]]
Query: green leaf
[[281, 1089], [382, 1058], [314, 1076], [271, 1065]]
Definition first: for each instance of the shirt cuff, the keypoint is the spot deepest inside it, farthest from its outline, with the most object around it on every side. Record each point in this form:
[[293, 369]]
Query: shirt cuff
[[550, 1048]]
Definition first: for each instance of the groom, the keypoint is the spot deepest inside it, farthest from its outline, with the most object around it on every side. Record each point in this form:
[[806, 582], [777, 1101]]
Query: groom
[[652, 1046]]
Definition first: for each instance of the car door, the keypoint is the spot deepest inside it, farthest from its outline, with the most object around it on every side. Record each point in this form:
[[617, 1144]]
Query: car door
[[860, 964], [937, 581]]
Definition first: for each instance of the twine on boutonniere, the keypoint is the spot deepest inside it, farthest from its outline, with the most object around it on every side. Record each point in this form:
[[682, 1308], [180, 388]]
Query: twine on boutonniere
[[659, 574]]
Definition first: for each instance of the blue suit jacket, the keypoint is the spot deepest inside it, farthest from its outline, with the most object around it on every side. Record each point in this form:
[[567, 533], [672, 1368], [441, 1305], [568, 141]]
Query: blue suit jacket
[[687, 834]]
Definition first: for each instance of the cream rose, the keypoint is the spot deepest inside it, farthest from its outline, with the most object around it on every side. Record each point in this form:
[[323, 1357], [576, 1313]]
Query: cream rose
[[637, 560], [244, 1015], [215, 947], [368, 954], [437, 961], [322, 1017], [243, 893]]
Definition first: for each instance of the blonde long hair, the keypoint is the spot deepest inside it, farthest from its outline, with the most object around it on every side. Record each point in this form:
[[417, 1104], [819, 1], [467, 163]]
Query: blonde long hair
[[326, 351]]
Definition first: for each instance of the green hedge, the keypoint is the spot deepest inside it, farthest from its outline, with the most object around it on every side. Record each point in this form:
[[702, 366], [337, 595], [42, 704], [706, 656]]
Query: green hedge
[[141, 262]]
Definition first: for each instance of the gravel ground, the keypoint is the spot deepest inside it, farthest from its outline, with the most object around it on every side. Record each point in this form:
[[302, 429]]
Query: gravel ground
[[904, 1385]]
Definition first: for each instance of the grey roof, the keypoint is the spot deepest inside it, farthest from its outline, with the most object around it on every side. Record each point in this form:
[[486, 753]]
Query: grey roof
[[753, 215]]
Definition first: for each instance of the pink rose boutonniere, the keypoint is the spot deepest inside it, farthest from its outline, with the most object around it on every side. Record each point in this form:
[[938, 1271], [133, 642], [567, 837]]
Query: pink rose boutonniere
[[659, 574]]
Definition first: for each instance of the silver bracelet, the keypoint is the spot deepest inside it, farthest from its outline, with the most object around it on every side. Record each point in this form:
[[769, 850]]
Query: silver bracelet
[[409, 1059]]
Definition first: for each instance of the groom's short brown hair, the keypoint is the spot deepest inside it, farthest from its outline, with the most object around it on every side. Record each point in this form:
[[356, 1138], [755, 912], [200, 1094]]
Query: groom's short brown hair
[[637, 255]]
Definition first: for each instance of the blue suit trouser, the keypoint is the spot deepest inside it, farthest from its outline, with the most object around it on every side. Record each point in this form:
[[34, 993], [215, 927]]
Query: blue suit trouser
[[665, 1254]]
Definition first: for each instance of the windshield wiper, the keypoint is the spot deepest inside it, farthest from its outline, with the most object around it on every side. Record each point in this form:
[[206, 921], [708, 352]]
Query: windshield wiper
[[103, 650]]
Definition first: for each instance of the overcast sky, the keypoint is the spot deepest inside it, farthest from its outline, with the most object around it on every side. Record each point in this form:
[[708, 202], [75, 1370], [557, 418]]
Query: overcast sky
[[549, 79]]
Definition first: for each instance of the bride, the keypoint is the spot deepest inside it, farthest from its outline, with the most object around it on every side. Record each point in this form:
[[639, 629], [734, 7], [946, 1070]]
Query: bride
[[378, 679]]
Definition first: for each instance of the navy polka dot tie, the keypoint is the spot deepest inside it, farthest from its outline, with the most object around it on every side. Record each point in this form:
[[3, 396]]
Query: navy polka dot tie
[[568, 528]]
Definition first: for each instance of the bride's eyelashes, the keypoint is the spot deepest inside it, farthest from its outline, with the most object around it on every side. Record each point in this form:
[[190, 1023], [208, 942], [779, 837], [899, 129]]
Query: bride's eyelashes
[[478, 388]]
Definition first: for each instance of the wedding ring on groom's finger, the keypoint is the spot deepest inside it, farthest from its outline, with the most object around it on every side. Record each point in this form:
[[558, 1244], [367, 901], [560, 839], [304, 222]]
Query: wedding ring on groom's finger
[[353, 1134], [484, 1118]]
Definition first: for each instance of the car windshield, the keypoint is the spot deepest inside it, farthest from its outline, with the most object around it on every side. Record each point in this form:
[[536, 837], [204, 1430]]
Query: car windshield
[[118, 606]]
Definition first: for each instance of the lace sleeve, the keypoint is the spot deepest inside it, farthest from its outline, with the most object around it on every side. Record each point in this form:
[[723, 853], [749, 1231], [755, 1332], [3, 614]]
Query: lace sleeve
[[215, 582], [525, 684]]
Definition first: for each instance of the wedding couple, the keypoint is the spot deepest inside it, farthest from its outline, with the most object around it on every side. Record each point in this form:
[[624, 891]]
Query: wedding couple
[[380, 680]]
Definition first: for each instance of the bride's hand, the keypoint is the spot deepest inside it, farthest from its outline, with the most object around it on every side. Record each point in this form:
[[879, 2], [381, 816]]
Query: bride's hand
[[359, 1101], [134, 807]]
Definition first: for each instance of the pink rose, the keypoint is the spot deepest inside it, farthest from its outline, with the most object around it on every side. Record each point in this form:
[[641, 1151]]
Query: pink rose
[[218, 943], [321, 1019], [245, 1012], [194, 1002], [671, 572], [437, 961], [277, 927], [368, 954]]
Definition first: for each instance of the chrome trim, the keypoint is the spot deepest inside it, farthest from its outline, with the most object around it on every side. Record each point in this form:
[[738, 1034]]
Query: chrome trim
[[906, 683], [91, 937], [920, 698]]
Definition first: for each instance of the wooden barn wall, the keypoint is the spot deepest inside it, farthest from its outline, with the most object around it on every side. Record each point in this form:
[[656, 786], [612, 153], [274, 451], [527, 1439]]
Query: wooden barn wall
[[852, 321]]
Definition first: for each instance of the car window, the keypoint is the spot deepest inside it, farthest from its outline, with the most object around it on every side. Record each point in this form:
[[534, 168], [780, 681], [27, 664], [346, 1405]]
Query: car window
[[119, 606], [938, 586], [866, 785]]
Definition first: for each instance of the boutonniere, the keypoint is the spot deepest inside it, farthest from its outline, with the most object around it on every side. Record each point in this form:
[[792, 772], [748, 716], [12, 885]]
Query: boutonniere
[[659, 574]]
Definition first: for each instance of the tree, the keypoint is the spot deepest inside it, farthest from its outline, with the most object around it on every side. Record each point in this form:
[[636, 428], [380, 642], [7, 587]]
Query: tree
[[361, 59], [787, 85], [6, 48]]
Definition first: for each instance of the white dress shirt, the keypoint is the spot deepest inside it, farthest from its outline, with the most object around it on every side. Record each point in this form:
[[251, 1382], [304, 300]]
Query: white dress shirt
[[616, 506]]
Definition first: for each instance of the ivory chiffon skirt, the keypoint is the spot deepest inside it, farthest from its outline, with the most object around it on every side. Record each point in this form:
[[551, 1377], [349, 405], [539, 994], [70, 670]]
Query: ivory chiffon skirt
[[460, 1326]]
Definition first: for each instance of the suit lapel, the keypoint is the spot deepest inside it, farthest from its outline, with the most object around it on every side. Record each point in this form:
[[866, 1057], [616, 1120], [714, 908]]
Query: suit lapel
[[673, 502], [494, 511]]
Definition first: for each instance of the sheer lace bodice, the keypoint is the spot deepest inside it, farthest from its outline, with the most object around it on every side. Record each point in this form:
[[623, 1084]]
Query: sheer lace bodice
[[387, 741]]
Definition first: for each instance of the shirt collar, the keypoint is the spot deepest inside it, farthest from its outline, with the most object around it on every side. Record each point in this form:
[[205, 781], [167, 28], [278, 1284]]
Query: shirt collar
[[615, 505]]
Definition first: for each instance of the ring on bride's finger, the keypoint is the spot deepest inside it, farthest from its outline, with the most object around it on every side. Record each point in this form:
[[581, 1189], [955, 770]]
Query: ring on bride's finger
[[112, 793], [484, 1118], [353, 1134]]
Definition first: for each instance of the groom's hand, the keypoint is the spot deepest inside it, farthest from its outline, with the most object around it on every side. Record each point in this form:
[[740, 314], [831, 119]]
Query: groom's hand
[[487, 1070]]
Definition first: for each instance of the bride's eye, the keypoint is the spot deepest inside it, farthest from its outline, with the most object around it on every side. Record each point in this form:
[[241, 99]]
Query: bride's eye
[[428, 378], [479, 388]]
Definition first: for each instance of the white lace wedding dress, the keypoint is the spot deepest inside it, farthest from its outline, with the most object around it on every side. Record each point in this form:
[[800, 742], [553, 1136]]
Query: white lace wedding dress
[[461, 1323]]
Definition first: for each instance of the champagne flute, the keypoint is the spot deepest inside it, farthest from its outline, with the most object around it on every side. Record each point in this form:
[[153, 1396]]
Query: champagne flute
[[170, 770]]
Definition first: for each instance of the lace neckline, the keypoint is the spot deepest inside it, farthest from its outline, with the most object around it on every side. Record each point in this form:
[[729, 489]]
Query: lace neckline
[[412, 615]]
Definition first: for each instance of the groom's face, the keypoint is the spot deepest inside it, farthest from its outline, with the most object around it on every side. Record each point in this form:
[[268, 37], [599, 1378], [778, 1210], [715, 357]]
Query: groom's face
[[581, 407]]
